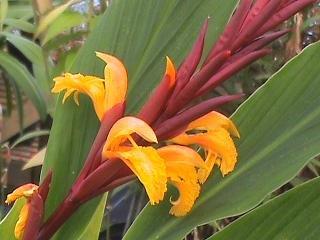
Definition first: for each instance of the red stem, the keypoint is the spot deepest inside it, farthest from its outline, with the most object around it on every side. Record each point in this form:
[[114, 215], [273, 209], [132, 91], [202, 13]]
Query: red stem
[[62, 213]]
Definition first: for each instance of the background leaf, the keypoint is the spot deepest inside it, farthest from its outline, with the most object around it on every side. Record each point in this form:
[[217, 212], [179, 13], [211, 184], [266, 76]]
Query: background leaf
[[293, 215], [141, 33], [279, 127], [64, 22], [47, 19], [19, 24], [25, 80], [28, 136]]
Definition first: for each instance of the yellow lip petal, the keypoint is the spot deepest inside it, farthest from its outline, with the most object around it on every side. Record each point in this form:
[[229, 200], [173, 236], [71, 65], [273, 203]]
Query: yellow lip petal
[[76, 83], [126, 126], [22, 191], [188, 193], [217, 141], [211, 160], [116, 78], [21, 223], [214, 120], [176, 154], [149, 167]]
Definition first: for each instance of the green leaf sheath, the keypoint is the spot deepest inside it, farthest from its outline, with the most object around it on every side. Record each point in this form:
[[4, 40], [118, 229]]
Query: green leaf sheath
[[141, 33], [293, 215], [279, 127]]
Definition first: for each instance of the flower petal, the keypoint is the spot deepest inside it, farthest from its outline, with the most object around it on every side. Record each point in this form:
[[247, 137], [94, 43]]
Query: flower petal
[[149, 167], [188, 193], [210, 161], [176, 154], [171, 71], [22, 191], [126, 126], [116, 77], [214, 120], [217, 141], [89, 85], [21, 223]]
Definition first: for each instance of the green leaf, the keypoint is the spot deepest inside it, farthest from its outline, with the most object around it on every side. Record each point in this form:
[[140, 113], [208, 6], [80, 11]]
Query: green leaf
[[141, 33], [29, 135], [23, 11], [19, 24], [47, 19], [34, 53], [8, 224], [3, 11], [279, 127], [293, 215], [28, 48], [64, 22], [25, 80]]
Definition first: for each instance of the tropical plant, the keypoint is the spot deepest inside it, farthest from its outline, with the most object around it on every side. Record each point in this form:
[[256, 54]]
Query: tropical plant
[[278, 124]]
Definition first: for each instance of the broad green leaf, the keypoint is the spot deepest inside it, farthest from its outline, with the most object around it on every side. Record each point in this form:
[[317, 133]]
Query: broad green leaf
[[293, 215], [64, 22], [141, 33], [8, 224], [28, 136], [25, 81], [279, 127], [19, 24], [47, 19]]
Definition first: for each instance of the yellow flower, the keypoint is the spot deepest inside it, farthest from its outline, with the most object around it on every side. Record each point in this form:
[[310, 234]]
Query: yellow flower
[[183, 166], [212, 132], [104, 93], [143, 161], [25, 191], [179, 165]]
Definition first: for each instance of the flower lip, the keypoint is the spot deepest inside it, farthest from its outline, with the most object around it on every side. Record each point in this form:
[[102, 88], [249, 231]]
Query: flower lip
[[22, 191], [127, 126]]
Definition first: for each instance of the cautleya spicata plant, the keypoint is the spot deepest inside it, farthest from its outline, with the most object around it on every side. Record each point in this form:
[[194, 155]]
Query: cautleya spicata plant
[[155, 146]]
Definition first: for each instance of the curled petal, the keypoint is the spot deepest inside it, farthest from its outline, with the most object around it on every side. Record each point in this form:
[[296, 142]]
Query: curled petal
[[149, 167], [22, 191], [22, 221], [76, 83], [116, 78], [126, 126], [217, 141], [188, 193], [214, 120], [210, 161], [180, 159]]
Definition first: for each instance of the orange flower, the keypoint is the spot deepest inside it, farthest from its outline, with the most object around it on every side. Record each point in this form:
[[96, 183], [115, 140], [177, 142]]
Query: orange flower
[[25, 191], [104, 93], [183, 166], [143, 161], [212, 132]]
